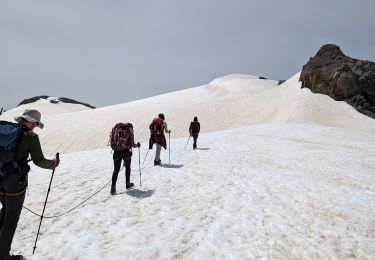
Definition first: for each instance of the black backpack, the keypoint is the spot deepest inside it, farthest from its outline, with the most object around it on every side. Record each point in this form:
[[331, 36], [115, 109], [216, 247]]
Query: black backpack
[[10, 134], [195, 127]]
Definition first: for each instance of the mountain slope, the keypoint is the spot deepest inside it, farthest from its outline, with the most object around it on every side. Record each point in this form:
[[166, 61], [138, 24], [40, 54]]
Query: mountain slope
[[227, 102]]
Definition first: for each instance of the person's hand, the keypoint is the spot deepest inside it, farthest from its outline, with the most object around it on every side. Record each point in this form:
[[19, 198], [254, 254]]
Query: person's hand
[[138, 144], [57, 161], [169, 131]]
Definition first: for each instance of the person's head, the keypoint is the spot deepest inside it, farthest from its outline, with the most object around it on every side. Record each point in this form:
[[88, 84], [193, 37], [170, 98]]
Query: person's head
[[30, 118], [195, 119], [129, 125], [161, 116]]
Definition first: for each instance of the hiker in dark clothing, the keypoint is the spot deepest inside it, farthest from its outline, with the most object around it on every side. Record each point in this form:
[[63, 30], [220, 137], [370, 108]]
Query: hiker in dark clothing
[[157, 129], [126, 156], [194, 129], [13, 185]]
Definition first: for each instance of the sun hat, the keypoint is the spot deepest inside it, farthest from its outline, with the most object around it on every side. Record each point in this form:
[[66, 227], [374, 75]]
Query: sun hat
[[30, 115]]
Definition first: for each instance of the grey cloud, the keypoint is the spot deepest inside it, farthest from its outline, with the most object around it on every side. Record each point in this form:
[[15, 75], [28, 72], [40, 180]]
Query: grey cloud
[[105, 52]]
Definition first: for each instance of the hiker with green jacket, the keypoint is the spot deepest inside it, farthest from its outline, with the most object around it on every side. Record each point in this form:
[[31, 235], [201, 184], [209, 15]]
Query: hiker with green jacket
[[13, 185]]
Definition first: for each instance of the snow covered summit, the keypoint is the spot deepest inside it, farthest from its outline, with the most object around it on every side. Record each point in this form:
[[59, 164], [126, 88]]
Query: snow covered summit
[[48, 106]]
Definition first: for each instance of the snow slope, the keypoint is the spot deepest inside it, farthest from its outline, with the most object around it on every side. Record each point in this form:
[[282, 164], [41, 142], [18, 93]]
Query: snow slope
[[227, 102], [291, 177], [275, 191], [89, 129]]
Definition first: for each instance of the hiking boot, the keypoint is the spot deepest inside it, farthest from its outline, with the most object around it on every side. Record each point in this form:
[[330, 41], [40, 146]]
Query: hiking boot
[[129, 185], [157, 163], [14, 257], [113, 190]]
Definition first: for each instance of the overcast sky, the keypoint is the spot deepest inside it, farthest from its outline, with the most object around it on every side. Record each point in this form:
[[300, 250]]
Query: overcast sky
[[105, 52]]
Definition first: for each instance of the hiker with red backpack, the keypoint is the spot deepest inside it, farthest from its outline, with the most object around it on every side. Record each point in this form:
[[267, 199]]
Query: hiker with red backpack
[[194, 130], [157, 129], [122, 142], [17, 141]]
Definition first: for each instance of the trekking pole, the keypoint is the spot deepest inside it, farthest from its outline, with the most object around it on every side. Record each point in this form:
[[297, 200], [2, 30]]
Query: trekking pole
[[139, 160], [145, 157], [44, 207], [187, 141], [169, 141]]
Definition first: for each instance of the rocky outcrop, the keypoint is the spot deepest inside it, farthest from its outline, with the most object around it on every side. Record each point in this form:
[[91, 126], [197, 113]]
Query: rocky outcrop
[[54, 101], [342, 78], [281, 81]]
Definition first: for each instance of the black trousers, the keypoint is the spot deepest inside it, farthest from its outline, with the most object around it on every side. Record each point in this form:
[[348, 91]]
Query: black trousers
[[9, 216], [195, 137], [11, 206], [118, 158]]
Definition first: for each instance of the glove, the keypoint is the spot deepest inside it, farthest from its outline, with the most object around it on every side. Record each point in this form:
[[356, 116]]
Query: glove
[[57, 162], [138, 144]]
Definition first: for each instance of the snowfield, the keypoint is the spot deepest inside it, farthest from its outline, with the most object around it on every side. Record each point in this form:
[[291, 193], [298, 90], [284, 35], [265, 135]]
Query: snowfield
[[258, 192], [279, 173]]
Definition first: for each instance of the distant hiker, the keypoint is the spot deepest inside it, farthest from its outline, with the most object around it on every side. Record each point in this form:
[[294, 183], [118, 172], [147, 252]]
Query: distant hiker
[[194, 130], [122, 142], [17, 141], [157, 129]]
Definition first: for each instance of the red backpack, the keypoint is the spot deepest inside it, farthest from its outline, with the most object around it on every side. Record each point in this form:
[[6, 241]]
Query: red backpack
[[120, 137], [156, 126]]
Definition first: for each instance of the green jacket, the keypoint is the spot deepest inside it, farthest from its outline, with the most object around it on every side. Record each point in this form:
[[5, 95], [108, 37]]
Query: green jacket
[[29, 144]]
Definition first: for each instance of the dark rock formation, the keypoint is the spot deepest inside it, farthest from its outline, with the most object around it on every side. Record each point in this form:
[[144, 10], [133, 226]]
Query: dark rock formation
[[33, 99], [281, 81], [58, 100], [72, 101], [342, 78]]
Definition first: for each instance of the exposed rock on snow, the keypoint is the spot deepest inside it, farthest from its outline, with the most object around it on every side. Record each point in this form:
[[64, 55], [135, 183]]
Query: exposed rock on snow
[[53, 100], [332, 73]]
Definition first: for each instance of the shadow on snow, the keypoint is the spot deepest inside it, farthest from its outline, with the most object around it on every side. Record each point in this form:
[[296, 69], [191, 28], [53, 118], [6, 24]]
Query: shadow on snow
[[140, 194], [172, 165]]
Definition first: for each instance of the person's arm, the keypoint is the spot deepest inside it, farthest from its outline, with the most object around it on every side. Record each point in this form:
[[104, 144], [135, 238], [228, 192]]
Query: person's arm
[[168, 131], [36, 153], [134, 145], [190, 128], [199, 127]]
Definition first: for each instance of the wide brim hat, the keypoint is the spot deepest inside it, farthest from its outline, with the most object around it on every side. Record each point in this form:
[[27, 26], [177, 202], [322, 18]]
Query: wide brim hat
[[31, 115]]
